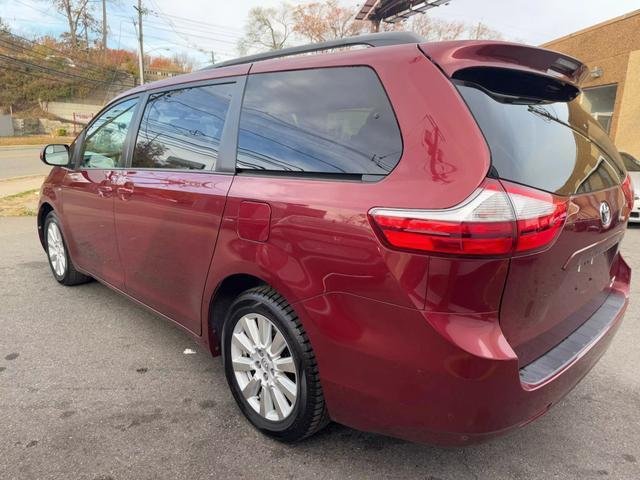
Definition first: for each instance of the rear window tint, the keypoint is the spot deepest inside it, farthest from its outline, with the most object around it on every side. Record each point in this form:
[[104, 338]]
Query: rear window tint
[[539, 145], [328, 120], [630, 163]]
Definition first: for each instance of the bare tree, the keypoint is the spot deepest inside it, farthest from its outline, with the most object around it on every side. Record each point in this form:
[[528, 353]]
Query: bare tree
[[482, 31], [77, 15], [183, 61], [267, 28], [328, 20], [435, 29]]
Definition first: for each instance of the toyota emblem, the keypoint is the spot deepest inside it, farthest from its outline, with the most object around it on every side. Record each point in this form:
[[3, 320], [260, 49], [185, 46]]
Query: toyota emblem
[[605, 214]]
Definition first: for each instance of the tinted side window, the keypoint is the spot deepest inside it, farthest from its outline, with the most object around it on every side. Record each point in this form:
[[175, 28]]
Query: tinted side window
[[329, 120], [182, 128], [104, 140]]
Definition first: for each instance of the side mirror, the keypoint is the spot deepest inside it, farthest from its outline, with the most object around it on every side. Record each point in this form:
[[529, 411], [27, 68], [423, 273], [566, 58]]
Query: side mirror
[[56, 155]]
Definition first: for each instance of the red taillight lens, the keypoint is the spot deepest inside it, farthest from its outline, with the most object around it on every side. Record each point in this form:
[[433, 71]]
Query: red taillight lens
[[496, 220], [447, 237], [627, 188], [540, 216]]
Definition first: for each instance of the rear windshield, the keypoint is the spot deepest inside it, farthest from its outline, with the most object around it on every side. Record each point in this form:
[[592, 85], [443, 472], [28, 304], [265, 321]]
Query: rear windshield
[[630, 163], [556, 147]]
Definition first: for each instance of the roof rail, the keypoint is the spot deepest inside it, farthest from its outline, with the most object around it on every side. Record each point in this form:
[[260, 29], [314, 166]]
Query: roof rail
[[382, 39]]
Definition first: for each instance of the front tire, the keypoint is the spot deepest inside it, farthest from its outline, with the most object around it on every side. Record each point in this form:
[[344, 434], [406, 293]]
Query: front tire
[[58, 254], [271, 368]]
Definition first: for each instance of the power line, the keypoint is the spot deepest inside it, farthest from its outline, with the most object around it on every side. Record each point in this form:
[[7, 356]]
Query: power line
[[206, 31], [161, 15], [206, 37], [226, 28], [171, 24], [208, 24], [16, 47], [25, 71], [93, 67], [53, 70], [190, 28], [176, 43]]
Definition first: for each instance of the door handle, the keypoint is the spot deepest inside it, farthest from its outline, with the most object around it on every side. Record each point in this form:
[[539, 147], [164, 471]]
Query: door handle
[[105, 191], [125, 191]]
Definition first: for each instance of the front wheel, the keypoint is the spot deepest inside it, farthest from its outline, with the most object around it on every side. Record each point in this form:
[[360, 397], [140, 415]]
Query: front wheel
[[59, 260], [271, 368]]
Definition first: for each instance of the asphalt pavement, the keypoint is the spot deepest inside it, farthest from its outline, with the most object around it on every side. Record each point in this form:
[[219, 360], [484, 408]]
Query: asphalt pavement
[[17, 161], [94, 387]]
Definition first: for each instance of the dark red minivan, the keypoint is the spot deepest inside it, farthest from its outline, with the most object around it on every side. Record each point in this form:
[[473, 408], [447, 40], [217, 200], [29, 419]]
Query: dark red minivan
[[417, 239]]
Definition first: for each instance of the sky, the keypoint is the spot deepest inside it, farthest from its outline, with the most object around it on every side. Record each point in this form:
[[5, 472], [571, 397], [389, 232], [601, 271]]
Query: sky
[[200, 27]]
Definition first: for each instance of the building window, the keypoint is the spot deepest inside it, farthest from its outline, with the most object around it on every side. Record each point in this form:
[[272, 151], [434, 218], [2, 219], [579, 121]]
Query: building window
[[599, 101]]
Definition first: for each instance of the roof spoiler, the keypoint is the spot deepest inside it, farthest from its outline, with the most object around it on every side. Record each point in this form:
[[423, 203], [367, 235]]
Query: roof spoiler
[[510, 69]]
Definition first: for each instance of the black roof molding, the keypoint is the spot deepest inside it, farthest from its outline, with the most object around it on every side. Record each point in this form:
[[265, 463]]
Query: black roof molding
[[382, 39]]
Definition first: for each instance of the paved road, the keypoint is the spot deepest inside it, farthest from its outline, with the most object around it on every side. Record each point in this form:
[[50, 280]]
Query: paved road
[[20, 162], [94, 387]]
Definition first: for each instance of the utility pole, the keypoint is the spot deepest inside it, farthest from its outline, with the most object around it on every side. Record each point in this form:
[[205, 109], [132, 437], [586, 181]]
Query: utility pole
[[141, 11], [104, 25], [213, 58]]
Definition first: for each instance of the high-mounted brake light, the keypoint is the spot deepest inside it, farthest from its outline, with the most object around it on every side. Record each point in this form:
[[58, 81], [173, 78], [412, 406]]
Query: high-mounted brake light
[[496, 220]]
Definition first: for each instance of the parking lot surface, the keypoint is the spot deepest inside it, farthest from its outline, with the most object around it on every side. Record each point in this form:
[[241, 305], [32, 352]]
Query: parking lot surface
[[93, 386]]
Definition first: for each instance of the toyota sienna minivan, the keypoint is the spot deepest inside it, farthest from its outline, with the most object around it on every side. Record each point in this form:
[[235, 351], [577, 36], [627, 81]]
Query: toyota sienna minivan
[[416, 239]]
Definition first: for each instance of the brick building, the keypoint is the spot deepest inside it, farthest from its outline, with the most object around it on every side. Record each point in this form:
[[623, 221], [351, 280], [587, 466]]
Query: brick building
[[612, 91]]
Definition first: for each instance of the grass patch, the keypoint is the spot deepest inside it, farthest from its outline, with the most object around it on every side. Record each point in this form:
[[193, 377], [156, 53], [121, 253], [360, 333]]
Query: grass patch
[[34, 140], [23, 204]]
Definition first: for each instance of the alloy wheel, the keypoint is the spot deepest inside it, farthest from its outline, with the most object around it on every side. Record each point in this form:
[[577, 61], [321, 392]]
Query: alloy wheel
[[55, 249], [264, 367]]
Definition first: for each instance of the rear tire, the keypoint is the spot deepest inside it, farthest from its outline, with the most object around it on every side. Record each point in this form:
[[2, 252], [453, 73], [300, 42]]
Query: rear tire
[[267, 357], [58, 254]]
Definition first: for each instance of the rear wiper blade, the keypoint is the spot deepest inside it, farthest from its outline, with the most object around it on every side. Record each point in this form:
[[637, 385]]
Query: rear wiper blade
[[543, 112]]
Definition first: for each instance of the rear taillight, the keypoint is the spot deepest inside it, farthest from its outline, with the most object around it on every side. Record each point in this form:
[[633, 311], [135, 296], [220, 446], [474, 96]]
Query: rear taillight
[[627, 188], [496, 220], [540, 216]]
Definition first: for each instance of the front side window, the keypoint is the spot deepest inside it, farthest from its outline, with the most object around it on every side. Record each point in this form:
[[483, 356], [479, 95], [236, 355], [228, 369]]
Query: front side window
[[104, 141], [181, 129], [327, 120]]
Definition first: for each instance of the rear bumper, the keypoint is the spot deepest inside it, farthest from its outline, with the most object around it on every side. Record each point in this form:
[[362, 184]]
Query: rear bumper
[[435, 378]]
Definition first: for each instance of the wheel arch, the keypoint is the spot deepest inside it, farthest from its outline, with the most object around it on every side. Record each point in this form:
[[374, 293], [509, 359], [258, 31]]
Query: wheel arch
[[44, 210], [228, 289]]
